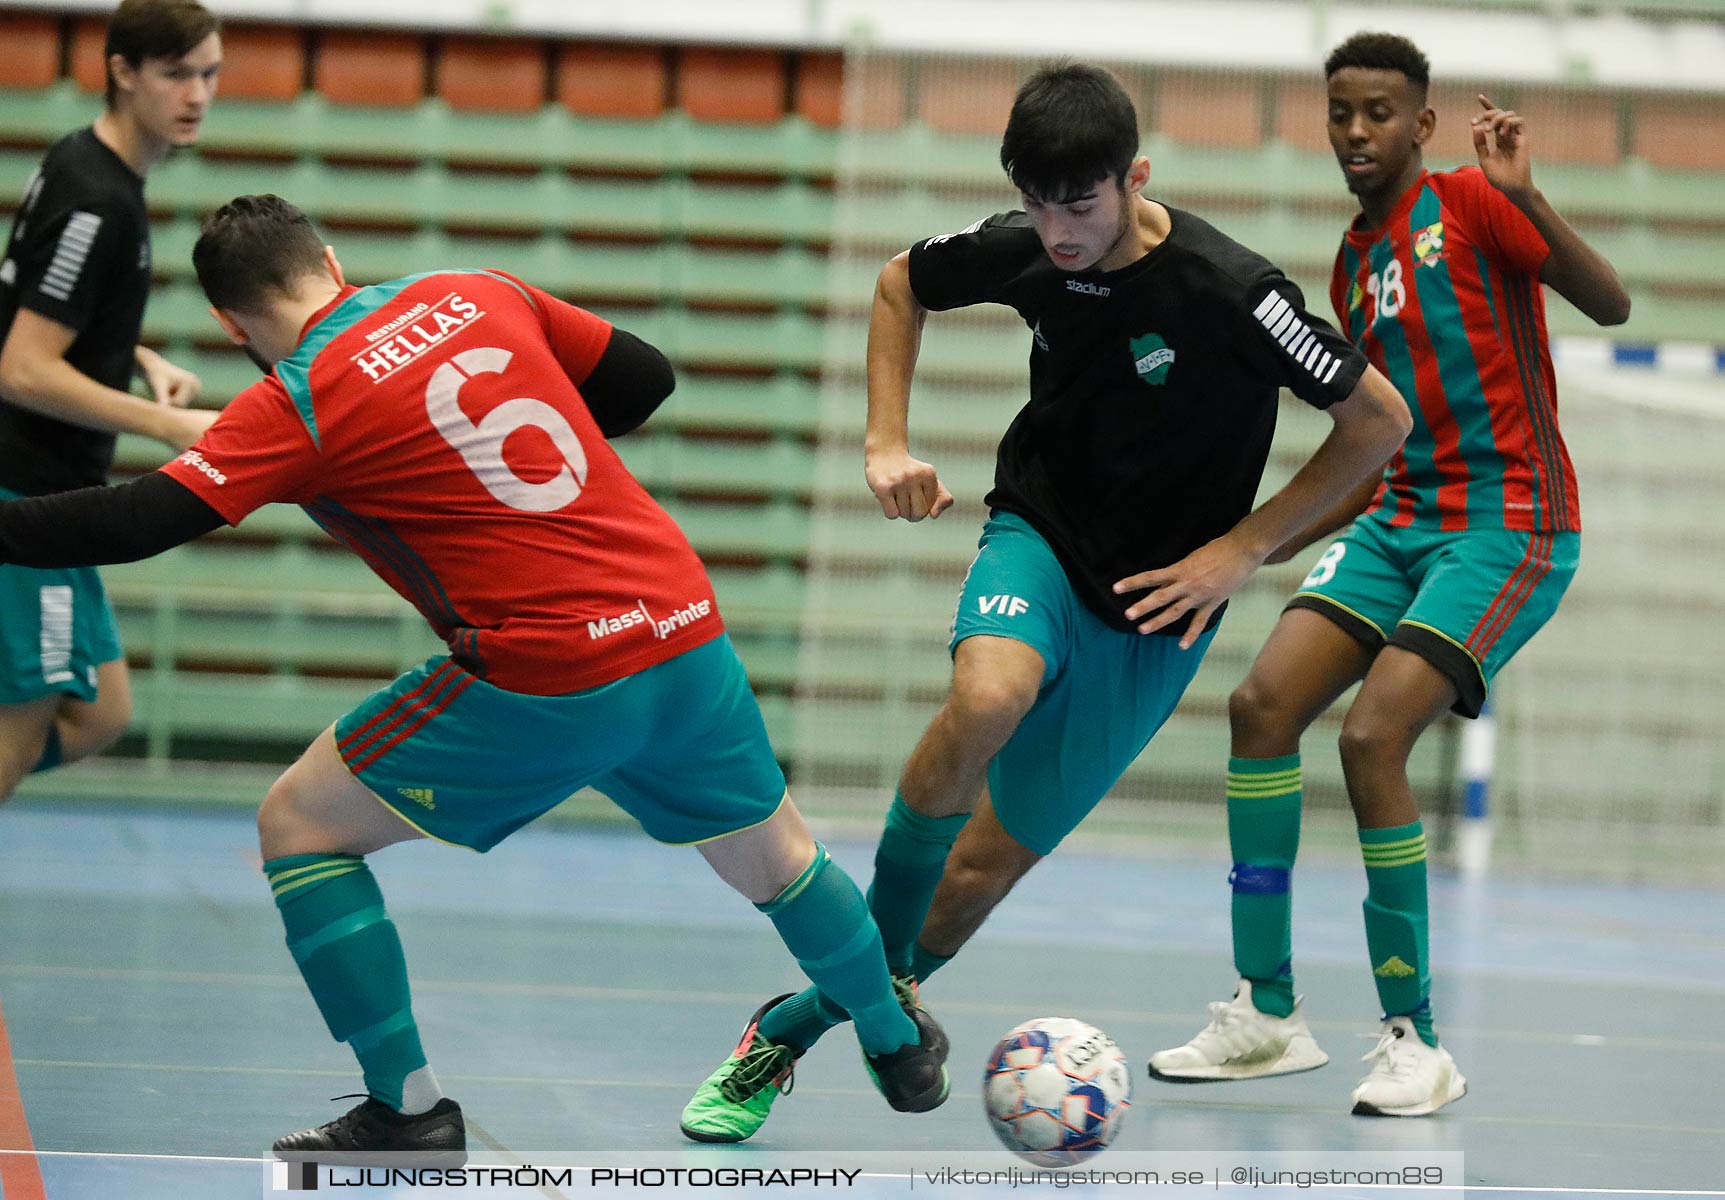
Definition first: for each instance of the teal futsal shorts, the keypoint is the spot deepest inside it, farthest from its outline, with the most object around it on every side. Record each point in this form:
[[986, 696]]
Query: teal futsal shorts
[[56, 628], [1104, 693], [679, 746], [1464, 601]]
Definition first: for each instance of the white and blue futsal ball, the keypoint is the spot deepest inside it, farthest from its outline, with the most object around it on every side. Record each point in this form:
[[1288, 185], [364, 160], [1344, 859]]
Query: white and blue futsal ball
[[1056, 1091]]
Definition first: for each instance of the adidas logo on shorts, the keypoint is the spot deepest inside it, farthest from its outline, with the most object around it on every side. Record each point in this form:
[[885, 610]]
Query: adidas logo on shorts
[[420, 796]]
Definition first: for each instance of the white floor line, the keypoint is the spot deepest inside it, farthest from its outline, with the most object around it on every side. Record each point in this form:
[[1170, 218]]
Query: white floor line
[[73, 1064], [214, 1158]]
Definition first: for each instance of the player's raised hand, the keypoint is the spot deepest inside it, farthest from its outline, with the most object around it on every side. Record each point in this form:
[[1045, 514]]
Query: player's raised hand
[[1195, 585], [1500, 140], [906, 487]]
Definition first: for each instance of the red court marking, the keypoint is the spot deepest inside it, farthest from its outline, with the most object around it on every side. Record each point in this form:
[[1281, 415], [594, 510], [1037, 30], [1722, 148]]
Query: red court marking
[[20, 1175]]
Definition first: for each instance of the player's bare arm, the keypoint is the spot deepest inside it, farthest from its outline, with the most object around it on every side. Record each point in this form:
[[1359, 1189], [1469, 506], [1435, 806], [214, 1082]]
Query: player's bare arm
[[169, 384], [1578, 272], [906, 487], [1369, 425], [1351, 506], [35, 375]]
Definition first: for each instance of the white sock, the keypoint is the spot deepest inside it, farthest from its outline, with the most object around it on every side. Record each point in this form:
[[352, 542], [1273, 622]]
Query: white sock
[[419, 1092]]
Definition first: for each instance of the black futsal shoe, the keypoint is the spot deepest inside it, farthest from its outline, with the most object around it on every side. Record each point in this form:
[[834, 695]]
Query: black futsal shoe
[[434, 1138]]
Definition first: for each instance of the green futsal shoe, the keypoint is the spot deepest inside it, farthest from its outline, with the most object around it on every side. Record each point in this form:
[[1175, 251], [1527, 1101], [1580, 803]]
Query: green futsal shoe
[[913, 1077], [735, 1099]]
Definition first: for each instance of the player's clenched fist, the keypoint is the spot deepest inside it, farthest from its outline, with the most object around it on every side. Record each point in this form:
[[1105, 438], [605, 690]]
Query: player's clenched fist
[[906, 487]]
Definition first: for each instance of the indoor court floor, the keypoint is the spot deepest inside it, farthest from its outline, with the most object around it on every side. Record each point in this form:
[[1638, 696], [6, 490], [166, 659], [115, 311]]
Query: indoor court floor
[[575, 985]]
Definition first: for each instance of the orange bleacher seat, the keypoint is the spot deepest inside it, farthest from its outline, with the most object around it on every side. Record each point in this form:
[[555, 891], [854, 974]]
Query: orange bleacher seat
[[386, 69], [1452, 142], [491, 74], [1209, 109], [259, 62], [32, 57], [879, 94], [820, 80], [1303, 114], [1137, 82], [731, 85], [599, 80], [1570, 128], [1686, 133], [262, 62], [88, 66], [966, 98]]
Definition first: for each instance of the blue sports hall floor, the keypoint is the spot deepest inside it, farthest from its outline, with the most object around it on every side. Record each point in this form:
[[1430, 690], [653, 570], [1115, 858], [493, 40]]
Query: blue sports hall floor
[[574, 985]]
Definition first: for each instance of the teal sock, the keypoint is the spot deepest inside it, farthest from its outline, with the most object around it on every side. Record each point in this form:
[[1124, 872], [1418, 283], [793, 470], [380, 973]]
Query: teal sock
[[826, 925], [907, 868], [348, 951], [924, 963], [1264, 834], [800, 1021], [51, 750], [1397, 924]]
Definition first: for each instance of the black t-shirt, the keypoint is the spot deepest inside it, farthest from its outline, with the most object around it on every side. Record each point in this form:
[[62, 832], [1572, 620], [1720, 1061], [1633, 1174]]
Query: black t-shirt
[[1152, 389], [80, 255]]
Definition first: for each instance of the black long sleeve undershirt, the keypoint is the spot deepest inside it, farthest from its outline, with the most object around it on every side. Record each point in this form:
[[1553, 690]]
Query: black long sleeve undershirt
[[627, 384], [92, 526]]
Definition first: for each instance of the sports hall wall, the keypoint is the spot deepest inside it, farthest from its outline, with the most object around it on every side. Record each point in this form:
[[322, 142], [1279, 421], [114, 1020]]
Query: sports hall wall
[[732, 202]]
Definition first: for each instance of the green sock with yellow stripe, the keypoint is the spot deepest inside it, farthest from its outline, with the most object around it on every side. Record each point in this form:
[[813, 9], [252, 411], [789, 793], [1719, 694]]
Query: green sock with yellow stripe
[[1264, 835], [1397, 923], [350, 957]]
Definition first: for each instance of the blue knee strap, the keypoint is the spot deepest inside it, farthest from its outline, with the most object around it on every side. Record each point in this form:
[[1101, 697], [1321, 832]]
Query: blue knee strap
[[1249, 880]]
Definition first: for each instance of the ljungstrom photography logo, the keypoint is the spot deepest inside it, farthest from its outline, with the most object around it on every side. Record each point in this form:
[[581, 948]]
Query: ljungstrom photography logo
[[293, 1176]]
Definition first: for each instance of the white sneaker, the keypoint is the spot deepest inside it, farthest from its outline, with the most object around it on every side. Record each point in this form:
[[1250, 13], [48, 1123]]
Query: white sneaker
[[1408, 1078], [1241, 1043]]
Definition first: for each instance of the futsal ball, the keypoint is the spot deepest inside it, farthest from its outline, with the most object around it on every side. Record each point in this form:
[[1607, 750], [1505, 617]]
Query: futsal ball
[[1056, 1091]]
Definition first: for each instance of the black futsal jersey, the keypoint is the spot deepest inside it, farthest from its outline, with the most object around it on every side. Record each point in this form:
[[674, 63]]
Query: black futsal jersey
[[79, 254], [1152, 389]]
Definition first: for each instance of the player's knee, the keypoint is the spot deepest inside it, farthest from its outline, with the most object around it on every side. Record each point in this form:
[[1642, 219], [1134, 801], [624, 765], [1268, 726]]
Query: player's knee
[[1372, 738], [978, 884], [985, 874], [284, 818], [100, 728], [986, 705], [1256, 712], [17, 758]]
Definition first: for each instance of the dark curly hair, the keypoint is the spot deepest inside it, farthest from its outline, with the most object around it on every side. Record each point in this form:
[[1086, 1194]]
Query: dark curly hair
[[1381, 52]]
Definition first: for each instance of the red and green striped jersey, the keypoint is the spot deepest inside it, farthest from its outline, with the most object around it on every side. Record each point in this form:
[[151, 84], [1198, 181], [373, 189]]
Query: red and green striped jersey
[[1444, 298]]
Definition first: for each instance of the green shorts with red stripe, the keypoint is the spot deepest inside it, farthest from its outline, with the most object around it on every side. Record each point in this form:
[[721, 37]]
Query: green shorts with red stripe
[[1464, 601], [679, 746]]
